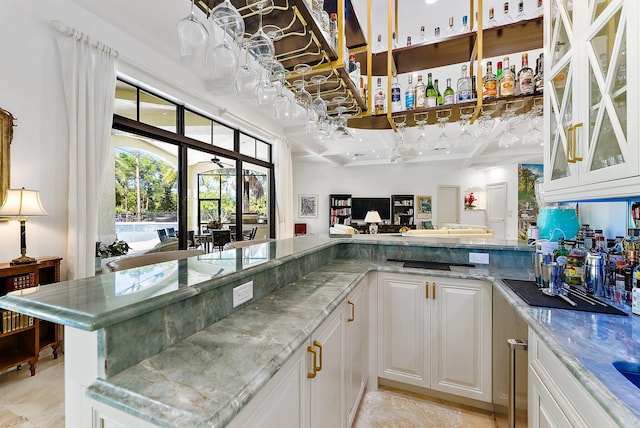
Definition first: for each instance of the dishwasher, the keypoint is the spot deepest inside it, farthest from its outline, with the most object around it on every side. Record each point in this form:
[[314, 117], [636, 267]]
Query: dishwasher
[[510, 365]]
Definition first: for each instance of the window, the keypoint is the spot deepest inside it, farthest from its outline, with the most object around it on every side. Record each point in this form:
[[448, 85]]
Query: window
[[149, 180]]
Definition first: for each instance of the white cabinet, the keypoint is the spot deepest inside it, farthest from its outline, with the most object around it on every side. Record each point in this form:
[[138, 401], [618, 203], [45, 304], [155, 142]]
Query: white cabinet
[[436, 333], [556, 398], [591, 80], [327, 387], [461, 337], [357, 317]]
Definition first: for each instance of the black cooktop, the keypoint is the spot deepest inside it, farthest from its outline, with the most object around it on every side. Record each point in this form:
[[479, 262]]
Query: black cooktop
[[421, 264], [529, 292]]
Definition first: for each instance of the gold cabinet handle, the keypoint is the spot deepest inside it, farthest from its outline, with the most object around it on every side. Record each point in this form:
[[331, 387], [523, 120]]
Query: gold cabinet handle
[[426, 288], [319, 345], [315, 357], [353, 311], [575, 141], [434, 291], [570, 145]]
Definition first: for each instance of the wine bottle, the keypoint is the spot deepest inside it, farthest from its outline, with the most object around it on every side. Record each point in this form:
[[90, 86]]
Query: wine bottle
[[449, 95], [432, 94], [439, 95]]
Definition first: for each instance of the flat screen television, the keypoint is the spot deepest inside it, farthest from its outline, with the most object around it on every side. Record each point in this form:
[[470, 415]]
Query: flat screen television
[[360, 206]]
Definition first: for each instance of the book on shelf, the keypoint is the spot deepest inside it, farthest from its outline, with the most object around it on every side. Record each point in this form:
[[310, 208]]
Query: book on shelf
[[12, 321], [19, 282]]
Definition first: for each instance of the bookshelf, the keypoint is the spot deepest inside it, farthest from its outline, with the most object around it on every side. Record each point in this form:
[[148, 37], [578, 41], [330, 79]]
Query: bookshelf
[[22, 337], [402, 210], [339, 209]]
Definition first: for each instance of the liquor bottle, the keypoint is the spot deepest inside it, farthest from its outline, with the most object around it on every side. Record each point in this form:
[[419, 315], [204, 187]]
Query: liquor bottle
[[423, 35], [449, 95], [525, 77], [379, 46], [506, 17], [474, 90], [507, 81], [539, 77], [409, 96], [420, 92], [475, 23], [333, 30], [464, 86], [379, 98], [498, 77], [516, 88], [394, 41], [465, 25], [489, 85], [408, 40], [539, 12], [492, 21], [396, 95], [438, 94], [521, 15], [450, 30], [432, 94]]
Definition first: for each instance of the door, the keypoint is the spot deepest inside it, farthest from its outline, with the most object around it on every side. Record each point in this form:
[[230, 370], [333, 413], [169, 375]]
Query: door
[[461, 338], [497, 209], [404, 348], [448, 204]]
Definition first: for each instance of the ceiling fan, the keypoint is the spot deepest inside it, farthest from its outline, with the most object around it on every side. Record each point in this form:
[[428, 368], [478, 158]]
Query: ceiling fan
[[217, 161]]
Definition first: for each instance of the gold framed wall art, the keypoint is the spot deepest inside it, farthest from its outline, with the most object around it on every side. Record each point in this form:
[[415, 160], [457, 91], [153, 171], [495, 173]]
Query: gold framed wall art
[[6, 134]]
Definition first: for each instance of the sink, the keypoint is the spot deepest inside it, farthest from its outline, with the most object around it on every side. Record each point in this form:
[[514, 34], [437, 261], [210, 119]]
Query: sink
[[630, 370], [423, 264]]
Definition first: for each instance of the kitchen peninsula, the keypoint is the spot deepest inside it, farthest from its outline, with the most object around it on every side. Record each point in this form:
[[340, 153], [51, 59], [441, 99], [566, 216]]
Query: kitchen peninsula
[[163, 346]]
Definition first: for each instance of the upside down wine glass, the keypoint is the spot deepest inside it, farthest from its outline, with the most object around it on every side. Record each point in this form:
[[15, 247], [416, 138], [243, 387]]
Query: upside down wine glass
[[193, 38], [302, 97], [421, 143], [442, 142]]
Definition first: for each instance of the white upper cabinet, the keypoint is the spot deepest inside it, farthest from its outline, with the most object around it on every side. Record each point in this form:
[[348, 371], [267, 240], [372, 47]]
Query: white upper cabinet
[[591, 147]]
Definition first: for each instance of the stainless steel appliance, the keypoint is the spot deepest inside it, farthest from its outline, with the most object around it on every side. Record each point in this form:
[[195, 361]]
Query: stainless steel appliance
[[510, 335]]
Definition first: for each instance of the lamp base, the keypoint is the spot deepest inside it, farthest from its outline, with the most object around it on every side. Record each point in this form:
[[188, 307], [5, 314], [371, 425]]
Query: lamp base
[[23, 260], [373, 229]]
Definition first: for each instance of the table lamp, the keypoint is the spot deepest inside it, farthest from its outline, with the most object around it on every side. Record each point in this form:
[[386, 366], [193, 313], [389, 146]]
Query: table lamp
[[373, 218], [22, 203]]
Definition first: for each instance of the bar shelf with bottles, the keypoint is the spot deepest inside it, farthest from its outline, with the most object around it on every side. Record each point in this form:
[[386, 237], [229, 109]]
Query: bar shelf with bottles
[[517, 103]]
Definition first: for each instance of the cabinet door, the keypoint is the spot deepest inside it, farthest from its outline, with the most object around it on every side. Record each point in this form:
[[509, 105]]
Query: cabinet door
[[357, 346], [562, 51], [326, 390], [461, 338], [404, 349], [609, 154], [543, 410], [283, 402]]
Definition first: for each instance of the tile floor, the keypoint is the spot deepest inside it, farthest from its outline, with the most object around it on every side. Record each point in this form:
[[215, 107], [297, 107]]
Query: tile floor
[[38, 402]]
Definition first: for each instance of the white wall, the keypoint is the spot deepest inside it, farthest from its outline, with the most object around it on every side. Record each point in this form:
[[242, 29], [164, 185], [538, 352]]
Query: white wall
[[395, 178]]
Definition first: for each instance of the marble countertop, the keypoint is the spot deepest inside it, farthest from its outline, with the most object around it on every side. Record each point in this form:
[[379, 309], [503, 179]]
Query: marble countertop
[[244, 350], [96, 302]]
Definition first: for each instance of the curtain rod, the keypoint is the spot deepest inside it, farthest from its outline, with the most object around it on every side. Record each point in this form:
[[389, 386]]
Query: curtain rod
[[80, 36]]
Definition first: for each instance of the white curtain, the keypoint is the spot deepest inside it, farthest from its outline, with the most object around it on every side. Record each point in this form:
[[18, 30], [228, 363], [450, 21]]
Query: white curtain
[[284, 189], [89, 78]]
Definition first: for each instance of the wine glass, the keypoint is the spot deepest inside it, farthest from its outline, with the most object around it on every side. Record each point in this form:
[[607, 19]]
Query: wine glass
[[400, 122], [261, 45], [442, 142], [227, 17], [508, 139], [303, 97], [465, 138], [246, 76], [533, 135], [193, 38], [341, 131], [265, 92], [224, 63], [319, 106], [282, 104], [421, 119], [486, 122]]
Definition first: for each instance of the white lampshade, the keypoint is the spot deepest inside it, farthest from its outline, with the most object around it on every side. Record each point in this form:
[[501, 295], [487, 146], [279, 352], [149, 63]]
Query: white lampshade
[[372, 217], [22, 203]]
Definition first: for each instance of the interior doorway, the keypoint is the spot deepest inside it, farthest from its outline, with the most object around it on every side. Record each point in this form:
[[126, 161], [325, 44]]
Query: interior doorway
[[448, 205], [497, 209]]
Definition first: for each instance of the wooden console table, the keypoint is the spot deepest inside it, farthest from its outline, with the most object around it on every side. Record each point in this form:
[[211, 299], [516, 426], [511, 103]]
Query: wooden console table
[[23, 337]]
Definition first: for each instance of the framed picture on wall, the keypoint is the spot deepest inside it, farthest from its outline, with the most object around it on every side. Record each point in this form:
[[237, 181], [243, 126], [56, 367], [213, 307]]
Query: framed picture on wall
[[423, 206], [307, 205]]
